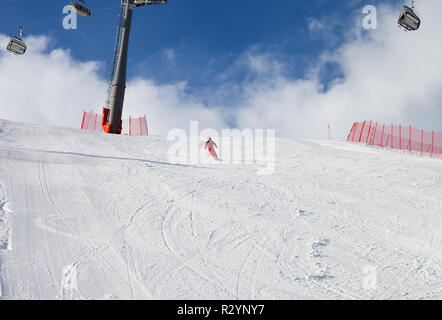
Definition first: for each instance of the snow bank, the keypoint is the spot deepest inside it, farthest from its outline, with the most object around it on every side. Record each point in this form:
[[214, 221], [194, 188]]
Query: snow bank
[[96, 216]]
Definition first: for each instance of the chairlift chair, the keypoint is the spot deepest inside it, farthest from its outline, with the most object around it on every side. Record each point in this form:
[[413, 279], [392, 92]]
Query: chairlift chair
[[78, 8], [140, 3], [16, 45], [408, 19]]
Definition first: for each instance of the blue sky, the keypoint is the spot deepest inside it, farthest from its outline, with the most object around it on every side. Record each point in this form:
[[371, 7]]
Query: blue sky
[[291, 65], [192, 40]]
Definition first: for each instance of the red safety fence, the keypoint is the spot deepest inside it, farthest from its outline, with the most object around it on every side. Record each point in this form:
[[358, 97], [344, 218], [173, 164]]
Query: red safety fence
[[91, 122], [397, 137], [138, 126], [133, 127]]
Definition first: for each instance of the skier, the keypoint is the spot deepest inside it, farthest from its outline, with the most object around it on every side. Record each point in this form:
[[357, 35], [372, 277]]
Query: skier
[[210, 144]]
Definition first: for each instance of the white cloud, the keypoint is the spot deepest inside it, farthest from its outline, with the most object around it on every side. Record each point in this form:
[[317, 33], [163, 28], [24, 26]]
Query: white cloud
[[389, 75], [169, 106], [53, 88], [169, 54], [259, 63], [315, 24], [47, 87]]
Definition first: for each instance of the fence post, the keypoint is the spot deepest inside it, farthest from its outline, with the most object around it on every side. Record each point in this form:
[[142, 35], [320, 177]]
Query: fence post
[[368, 134], [130, 126], [95, 121], [422, 141], [400, 137], [382, 137], [374, 134], [351, 131], [362, 130], [392, 136], [432, 144], [329, 136], [356, 124], [409, 142], [86, 121], [82, 122], [145, 122]]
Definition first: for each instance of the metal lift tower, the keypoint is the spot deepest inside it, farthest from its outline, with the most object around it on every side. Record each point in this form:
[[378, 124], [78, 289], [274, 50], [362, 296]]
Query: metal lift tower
[[118, 85]]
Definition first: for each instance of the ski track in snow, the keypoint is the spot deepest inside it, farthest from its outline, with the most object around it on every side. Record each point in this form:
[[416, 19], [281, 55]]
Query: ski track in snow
[[5, 232], [5, 225], [106, 217], [69, 284]]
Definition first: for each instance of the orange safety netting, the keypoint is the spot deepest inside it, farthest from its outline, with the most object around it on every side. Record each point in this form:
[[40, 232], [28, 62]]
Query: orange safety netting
[[397, 137], [133, 126], [138, 126], [91, 122]]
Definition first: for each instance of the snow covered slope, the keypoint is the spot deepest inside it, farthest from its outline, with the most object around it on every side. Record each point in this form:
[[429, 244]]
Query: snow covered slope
[[93, 216]]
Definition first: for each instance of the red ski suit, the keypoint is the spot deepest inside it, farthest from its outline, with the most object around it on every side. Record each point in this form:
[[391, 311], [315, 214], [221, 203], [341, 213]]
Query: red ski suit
[[210, 145]]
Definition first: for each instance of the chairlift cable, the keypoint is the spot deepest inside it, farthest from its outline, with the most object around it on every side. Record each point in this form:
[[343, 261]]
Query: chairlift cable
[[33, 23], [52, 19]]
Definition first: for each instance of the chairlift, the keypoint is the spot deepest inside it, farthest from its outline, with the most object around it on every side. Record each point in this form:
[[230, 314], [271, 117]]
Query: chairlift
[[80, 9], [16, 45], [139, 3], [408, 19]]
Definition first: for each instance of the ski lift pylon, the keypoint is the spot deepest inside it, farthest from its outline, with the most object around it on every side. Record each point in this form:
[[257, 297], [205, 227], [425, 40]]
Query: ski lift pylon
[[16, 45], [80, 9], [408, 18]]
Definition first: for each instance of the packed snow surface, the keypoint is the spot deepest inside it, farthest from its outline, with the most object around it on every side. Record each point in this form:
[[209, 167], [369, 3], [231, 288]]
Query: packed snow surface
[[95, 216]]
